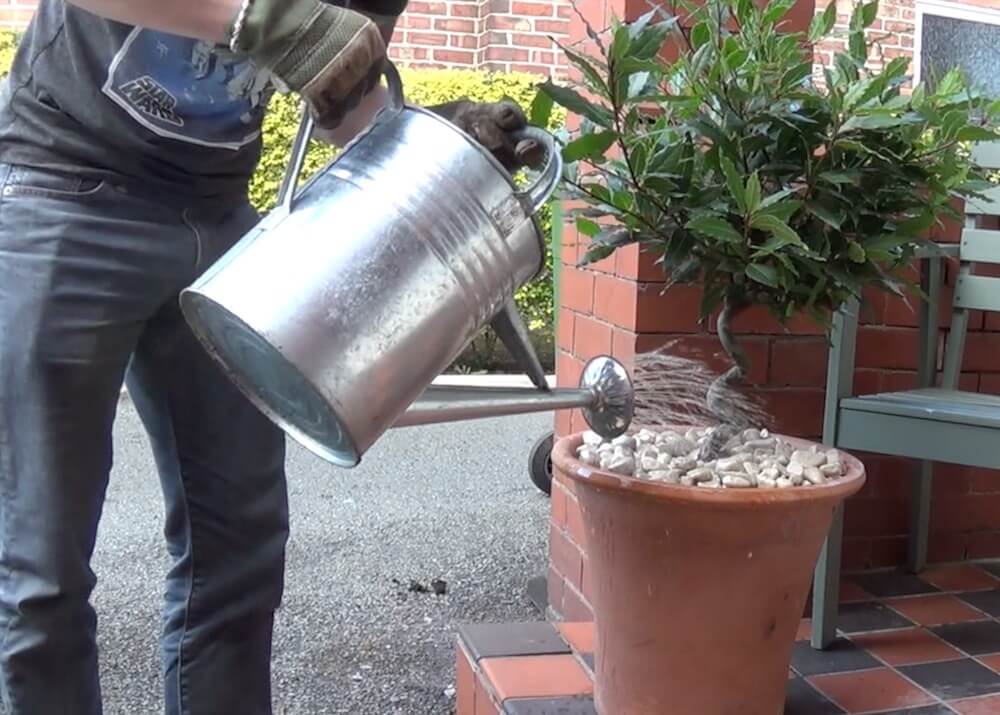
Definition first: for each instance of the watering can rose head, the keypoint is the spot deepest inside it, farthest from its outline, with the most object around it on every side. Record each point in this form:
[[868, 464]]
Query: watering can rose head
[[751, 175]]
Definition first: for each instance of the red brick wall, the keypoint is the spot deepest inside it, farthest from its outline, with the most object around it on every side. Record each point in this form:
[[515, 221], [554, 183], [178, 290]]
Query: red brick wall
[[16, 13], [616, 307], [498, 35]]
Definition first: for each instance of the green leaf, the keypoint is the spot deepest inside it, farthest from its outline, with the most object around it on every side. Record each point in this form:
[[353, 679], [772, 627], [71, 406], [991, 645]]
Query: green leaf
[[783, 210], [637, 83], [714, 227], [822, 24], [831, 217], [917, 225], [953, 122], [587, 227], [848, 176], [541, 110], [631, 65], [615, 237], [777, 228], [872, 121], [650, 41], [592, 74], [856, 252], [702, 58], [794, 76], [737, 58], [620, 45], [857, 46], [753, 191], [888, 242], [744, 11], [572, 101], [734, 182], [976, 134], [589, 146], [776, 10], [869, 12], [700, 34], [596, 252], [896, 68], [774, 198], [861, 92], [636, 27], [763, 274]]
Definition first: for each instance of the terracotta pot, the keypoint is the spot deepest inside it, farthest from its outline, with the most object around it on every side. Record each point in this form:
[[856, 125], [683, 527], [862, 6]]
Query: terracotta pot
[[698, 593]]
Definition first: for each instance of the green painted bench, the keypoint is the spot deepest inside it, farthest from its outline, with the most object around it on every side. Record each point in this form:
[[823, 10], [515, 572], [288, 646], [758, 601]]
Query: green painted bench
[[930, 423]]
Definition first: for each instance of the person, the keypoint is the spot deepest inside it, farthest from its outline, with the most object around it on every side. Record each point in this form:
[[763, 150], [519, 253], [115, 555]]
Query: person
[[129, 130]]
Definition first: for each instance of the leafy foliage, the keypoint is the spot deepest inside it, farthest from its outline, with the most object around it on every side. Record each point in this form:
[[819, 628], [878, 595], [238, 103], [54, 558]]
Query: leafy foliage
[[748, 179], [8, 46]]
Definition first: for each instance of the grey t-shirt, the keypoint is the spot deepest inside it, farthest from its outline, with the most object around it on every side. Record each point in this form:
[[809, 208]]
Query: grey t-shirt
[[101, 98]]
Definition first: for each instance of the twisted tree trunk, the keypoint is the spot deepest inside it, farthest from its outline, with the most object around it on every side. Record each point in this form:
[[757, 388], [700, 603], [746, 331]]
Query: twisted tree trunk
[[730, 420]]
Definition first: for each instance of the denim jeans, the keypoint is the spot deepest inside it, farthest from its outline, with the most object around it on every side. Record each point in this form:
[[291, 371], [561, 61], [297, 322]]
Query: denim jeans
[[89, 277]]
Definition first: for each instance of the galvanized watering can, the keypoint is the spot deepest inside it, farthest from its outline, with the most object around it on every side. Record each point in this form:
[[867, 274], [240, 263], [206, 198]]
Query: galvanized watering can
[[336, 313]]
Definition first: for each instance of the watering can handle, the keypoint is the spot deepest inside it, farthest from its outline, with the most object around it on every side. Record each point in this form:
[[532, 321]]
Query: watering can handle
[[542, 188], [300, 148]]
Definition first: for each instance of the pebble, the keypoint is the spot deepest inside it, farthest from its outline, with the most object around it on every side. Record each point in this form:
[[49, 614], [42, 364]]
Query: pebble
[[671, 476], [832, 470], [771, 473], [808, 458], [754, 459], [588, 455], [701, 474], [675, 445], [621, 465], [814, 476], [685, 464], [592, 439], [625, 440]]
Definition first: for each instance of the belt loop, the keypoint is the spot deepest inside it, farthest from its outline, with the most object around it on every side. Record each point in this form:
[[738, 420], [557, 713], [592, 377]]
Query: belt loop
[[5, 172]]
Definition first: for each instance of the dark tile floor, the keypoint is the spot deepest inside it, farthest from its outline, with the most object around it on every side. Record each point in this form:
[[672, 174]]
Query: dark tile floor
[[908, 646]]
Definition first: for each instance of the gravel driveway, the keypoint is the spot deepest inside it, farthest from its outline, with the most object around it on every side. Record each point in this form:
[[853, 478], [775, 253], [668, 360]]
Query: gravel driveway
[[449, 502]]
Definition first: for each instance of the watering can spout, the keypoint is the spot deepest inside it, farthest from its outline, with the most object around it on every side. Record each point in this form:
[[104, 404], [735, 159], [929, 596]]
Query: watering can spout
[[605, 395]]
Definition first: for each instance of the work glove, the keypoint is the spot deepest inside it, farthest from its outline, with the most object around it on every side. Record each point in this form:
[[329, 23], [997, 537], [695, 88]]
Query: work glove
[[497, 126], [329, 55]]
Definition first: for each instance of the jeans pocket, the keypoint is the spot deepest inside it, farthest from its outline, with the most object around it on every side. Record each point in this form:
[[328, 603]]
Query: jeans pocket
[[46, 183]]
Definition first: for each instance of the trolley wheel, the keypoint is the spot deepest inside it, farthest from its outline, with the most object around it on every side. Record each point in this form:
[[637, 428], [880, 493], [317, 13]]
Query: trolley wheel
[[540, 464]]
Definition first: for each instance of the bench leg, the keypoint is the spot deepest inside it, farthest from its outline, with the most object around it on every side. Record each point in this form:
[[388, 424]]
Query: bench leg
[[826, 585], [920, 516]]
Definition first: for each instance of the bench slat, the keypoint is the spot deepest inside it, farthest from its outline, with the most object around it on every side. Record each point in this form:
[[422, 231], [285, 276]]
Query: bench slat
[[980, 245], [978, 293]]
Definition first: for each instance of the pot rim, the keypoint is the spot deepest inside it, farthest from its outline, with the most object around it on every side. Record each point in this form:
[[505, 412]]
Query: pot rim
[[565, 460]]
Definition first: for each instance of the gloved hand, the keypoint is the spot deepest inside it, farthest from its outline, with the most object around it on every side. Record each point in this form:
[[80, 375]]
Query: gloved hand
[[329, 55], [496, 126]]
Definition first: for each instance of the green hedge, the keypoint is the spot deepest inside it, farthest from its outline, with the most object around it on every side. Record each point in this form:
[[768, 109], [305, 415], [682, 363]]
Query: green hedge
[[8, 45], [422, 87]]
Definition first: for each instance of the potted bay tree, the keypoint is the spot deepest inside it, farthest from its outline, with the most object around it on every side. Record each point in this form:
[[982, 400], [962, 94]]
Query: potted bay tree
[[765, 183]]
